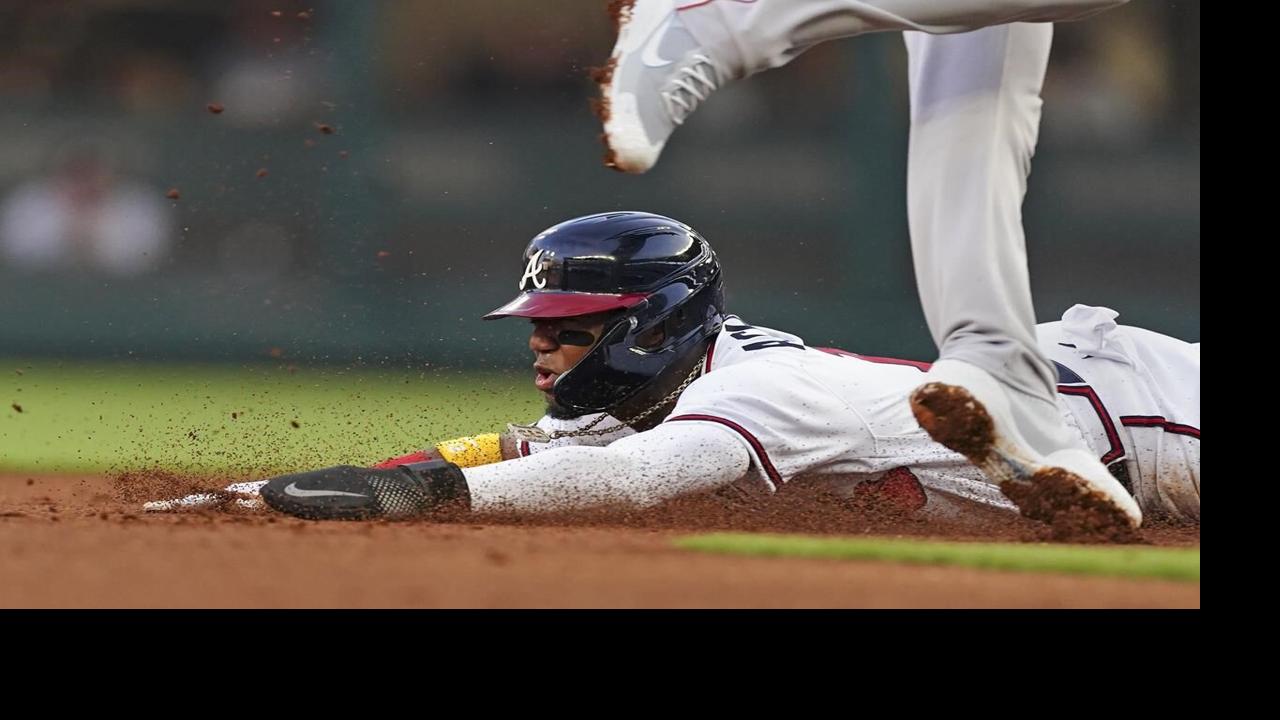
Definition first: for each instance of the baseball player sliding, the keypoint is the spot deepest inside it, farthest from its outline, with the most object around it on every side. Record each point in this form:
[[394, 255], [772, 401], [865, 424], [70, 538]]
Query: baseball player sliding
[[654, 392]]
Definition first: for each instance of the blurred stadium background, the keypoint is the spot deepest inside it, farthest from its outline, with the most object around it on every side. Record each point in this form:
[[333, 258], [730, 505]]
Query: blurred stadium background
[[459, 130]]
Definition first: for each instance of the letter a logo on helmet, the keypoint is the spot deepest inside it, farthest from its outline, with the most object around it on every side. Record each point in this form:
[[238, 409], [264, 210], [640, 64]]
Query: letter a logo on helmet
[[654, 276], [532, 271]]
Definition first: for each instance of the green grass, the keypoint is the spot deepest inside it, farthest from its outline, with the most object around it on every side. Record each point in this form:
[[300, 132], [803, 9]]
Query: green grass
[[1165, 563], [90, 417]]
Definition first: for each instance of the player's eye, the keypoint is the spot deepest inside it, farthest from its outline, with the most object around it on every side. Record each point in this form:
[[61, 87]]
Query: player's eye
[[578, 338], [651, 338]]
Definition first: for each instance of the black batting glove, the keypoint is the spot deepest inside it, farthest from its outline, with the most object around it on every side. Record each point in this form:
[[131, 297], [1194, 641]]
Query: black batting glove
[[346, 492]]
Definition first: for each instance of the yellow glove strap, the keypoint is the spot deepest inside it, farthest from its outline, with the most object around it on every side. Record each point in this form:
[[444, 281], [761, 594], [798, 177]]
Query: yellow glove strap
[[472, 451]]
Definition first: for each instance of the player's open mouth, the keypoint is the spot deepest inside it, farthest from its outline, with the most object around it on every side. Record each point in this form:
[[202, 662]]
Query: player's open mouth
[[544, 379]]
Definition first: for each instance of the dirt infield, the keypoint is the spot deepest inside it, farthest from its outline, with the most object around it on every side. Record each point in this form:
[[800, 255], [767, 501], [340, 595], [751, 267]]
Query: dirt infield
[[82, 542]]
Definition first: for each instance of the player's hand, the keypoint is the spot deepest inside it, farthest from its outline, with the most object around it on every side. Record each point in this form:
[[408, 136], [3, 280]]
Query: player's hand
[[346, 492]]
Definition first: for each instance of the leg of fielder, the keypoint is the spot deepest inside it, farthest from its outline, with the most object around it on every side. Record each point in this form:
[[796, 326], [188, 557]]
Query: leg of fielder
[[755, 35], [672, 54], [975, 114]]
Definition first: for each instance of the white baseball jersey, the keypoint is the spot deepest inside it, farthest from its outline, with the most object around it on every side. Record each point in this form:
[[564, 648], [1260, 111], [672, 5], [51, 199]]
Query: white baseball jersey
[[1133, 395]]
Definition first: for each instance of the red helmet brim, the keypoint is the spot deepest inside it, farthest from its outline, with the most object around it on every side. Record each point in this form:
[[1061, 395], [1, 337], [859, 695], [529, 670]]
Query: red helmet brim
[[555, 304]]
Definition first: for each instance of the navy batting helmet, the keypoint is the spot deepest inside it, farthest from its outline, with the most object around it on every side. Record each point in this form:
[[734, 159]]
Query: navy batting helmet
[[655, 271]]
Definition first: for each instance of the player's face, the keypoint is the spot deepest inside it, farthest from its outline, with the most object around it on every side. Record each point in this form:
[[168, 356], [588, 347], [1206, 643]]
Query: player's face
[[558, 344]]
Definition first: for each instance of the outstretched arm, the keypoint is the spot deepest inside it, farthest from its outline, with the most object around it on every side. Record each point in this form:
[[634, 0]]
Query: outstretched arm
[[639, 471]]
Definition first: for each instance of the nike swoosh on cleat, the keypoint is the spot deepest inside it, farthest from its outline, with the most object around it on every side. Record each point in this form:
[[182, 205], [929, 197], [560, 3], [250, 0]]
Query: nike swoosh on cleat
[[650, 56], [295, 491]]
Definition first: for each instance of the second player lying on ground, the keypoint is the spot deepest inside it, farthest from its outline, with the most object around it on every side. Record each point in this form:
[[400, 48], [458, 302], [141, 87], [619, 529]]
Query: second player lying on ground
[[654, 392]]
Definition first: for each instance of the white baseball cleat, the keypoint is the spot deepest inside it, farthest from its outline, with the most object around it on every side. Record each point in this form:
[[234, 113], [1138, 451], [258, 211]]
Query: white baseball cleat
[[964, 408], [656, 77]]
